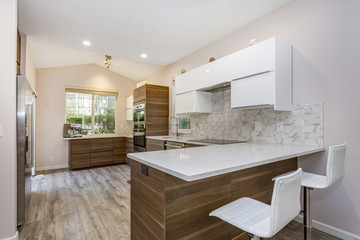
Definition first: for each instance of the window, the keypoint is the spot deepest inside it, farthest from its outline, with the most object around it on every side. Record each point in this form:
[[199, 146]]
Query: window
[[93, 111]]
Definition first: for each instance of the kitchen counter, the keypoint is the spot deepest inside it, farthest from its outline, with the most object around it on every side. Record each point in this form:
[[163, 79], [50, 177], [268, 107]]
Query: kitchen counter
[[192, 164], [174, 190], [98, 136]]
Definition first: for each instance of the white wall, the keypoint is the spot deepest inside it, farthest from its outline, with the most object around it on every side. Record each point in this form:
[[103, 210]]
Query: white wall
[[326, 62], [8, 26], [50, 104]]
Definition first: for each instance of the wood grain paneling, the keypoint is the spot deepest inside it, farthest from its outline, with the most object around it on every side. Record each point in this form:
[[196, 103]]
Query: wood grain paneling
[[139, 94], [119, 145], [102, 158], [102, 145], [154, 145], [187, 204], [129, 148], [80, 146], [80, 161], [119, 158]]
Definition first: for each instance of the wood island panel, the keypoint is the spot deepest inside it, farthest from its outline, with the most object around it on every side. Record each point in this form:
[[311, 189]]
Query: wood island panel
[[166, 207]]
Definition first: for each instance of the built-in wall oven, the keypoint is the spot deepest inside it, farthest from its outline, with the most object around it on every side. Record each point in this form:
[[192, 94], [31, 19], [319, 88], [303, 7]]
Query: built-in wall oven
[[139, 127]]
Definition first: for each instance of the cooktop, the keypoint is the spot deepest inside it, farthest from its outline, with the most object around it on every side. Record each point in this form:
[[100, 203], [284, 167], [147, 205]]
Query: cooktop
[[217, 141]]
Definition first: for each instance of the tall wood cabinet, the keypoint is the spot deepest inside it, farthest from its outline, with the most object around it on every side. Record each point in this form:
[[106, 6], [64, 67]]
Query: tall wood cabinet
[[156, 99]]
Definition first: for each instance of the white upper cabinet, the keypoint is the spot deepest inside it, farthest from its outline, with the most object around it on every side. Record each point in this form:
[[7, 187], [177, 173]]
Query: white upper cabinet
[[193, 102], [262, 75], [129, 102], [202, 77], [129, 108]]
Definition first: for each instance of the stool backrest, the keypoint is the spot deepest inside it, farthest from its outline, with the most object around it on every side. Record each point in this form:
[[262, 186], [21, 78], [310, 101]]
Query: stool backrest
[[285, 202], [335, 167]]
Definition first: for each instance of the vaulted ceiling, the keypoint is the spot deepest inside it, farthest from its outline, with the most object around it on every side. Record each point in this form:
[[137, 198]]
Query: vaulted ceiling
[[166, 30]]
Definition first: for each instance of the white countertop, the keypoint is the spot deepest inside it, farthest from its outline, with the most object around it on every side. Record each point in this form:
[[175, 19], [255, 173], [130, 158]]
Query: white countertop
[[192, 164], [98, 136]]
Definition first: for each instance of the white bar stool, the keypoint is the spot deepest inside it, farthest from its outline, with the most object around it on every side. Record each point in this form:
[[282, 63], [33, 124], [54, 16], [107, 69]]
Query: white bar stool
[[261, 220], [335, 171]]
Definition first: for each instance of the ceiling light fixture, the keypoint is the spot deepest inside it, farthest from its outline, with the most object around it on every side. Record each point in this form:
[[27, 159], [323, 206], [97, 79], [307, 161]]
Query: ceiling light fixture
[[144, 55], [86, 43], [107, 61]]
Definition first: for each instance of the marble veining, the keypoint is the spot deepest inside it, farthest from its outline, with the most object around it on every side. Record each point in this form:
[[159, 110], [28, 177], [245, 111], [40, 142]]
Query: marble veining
[[303, 125]]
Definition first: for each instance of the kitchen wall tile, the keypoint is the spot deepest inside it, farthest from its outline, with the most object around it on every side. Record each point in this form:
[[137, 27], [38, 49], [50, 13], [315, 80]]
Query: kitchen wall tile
[[303, 125]]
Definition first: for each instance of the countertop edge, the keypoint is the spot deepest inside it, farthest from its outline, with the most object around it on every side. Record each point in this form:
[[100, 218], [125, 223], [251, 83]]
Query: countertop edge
[[223, 171], [81, 138]]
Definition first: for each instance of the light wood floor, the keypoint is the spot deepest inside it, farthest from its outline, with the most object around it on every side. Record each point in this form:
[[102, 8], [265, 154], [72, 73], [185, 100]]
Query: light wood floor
[[94, 204]]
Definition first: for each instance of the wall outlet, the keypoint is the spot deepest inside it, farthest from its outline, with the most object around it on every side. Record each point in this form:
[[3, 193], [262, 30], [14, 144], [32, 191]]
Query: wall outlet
[[51, 158], [280, 126], [258, 126]]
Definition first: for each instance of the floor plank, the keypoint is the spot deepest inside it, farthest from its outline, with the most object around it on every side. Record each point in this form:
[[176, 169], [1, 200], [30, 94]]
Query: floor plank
[[94, 204]]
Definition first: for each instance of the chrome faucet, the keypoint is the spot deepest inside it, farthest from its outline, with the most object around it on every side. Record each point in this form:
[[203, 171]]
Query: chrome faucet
[[177, 124]]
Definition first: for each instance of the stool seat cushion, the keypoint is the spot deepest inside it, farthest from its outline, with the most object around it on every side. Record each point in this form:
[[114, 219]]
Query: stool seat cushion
[[247, 214], [314, 181]]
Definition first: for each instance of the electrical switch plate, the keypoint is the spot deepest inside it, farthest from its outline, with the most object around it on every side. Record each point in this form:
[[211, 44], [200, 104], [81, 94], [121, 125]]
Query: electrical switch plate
[[1, 130], [279, 126], [258, 126]]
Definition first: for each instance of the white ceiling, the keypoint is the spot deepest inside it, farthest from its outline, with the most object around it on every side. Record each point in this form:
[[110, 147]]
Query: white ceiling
[[166, 30], [49, 55]]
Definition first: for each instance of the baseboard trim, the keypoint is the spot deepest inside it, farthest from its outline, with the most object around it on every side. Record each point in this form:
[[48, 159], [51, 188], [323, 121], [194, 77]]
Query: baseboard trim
[[15, 237], [337, 232], [52, 167]]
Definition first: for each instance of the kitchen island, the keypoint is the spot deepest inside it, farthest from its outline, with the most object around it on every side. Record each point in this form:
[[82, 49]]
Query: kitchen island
[[172, 192]]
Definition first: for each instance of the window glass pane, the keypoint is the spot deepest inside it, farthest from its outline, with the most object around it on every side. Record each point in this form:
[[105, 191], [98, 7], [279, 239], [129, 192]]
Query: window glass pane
[[104, 114], [78, 111]]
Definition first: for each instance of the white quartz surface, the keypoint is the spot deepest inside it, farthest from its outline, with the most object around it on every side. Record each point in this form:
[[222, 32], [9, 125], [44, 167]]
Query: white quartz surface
[[192, 164], [98, 136]]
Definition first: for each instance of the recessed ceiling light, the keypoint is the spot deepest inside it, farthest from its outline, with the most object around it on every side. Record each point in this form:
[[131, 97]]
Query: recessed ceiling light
[[144, 55], [207, 70], [86, 43]]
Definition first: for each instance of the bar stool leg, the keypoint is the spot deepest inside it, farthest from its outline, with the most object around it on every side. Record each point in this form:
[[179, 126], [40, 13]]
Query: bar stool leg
[[307, 213]]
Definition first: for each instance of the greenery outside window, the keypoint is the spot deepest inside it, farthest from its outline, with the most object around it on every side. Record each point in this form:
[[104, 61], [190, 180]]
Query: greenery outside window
[[93, 111]]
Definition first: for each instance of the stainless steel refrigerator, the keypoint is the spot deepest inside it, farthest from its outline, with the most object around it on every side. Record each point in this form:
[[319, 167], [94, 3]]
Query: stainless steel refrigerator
[[25, 146]]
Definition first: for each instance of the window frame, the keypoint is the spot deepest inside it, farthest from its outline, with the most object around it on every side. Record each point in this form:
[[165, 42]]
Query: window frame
[[94, 92]]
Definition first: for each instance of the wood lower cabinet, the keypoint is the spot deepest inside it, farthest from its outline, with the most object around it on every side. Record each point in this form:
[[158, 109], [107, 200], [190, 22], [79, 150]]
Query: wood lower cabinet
[[129, 148], [166, 207], [119, 150], [102, 158], [154, 145], [96, 152], [80, 161], [190, 145]]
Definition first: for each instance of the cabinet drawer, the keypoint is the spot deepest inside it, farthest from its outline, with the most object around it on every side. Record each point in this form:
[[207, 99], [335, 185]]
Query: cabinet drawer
[[119, 145], [102, 158], [119, 158], [80, 146], [80, 161], [102, 145]]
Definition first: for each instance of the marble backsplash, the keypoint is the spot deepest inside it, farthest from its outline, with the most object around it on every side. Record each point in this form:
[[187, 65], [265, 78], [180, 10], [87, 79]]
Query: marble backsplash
[[303, 125], [125, 128]]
